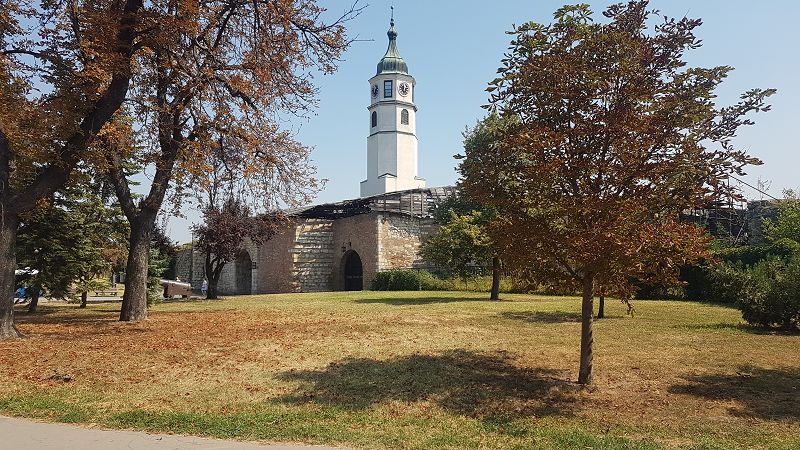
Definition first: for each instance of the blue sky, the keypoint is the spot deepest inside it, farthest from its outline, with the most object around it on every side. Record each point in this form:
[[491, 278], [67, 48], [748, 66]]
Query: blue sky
[[453, 49]]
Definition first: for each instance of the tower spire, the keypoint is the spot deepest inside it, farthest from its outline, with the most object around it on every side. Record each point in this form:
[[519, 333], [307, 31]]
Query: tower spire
[[392, 62]]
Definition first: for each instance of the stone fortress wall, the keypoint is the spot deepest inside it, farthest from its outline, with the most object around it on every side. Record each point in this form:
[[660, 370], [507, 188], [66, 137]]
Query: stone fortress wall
[[385, 231]]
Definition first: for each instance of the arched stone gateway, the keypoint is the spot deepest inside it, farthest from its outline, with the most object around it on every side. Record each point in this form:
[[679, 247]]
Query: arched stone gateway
[[243, 274], [353, 271]]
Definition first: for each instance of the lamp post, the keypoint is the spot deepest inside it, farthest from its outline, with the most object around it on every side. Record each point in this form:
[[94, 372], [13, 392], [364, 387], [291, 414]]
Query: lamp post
[[191, 261]]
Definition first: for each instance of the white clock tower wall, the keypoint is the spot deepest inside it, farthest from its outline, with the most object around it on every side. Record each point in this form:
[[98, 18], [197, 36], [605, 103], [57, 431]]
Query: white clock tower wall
[[392, 142]]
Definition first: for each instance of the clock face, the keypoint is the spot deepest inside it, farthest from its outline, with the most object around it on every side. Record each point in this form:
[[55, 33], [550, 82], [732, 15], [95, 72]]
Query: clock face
[[404, 88], [374, 91]]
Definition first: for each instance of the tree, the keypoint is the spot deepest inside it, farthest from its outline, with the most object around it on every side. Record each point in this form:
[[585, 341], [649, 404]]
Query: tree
[[64, 72], [787, 224], [214, 80], [607, 136], [69, 243], [167, 251], [157, 263], [224, 234], [462, 244]]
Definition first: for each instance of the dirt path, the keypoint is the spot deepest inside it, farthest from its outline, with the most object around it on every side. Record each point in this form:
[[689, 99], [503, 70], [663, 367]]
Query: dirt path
[[22, 434]]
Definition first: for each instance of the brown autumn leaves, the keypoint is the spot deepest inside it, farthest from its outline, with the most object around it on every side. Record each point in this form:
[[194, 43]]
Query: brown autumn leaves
[[600, 137], [114, 87]]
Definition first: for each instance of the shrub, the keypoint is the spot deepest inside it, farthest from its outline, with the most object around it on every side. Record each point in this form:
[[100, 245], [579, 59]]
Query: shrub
[[753, 254], [646, 291], [408, 280], [695, 279], [770, 296], [724, 283]]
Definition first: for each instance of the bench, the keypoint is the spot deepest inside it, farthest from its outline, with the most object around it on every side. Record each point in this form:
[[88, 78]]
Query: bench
[[106, 292]]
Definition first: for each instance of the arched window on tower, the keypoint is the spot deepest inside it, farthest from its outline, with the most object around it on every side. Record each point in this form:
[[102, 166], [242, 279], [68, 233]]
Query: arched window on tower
[[404, 117], [374, 119]]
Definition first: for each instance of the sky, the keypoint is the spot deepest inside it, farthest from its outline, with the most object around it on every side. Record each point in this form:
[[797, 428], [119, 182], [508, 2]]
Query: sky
[[453, 49]]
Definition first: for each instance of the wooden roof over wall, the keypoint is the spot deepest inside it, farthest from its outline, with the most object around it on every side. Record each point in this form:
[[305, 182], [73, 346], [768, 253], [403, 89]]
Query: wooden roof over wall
[[413, 202]]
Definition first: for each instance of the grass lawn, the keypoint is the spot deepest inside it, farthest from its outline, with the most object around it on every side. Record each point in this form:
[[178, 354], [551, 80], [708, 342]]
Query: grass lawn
[[411, 370]]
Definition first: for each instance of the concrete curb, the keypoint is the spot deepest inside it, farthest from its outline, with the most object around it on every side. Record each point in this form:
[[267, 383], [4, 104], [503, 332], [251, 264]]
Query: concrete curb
[[21, 434]]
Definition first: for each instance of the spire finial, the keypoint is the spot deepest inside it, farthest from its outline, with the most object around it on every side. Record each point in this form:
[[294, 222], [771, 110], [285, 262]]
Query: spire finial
[[392, 33], [392, 62]]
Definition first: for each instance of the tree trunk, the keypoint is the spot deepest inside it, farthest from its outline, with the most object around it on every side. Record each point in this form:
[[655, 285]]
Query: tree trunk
[[211, 293], [35, 292], [495, 295], [84, 299], [601, 308], [587, 341], [8, 264], [213, 275], [134, 300]]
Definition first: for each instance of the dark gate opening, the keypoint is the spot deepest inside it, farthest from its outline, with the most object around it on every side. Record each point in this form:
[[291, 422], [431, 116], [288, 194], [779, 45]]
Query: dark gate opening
[[353, 272], [244, 274]]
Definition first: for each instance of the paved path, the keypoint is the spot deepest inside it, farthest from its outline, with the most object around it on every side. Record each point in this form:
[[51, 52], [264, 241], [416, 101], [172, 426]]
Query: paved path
[[19, 434]]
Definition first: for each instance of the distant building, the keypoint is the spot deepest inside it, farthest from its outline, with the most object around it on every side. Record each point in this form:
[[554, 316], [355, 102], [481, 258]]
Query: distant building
[[739, 224], [341, 246]]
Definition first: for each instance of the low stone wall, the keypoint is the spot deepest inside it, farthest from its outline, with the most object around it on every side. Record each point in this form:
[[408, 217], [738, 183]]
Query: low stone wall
[[399, 239], [230, 278], [193, 275], [312, 256]]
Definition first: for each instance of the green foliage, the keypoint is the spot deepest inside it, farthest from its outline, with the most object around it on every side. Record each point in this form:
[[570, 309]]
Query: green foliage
[[423, 280], [787, 225], [455, 204], [408, 280], [89, 285], [770, 294], [167, 249], [158, 264], [71, 241], [724, 283], [461, 244], [752, 254], [763, 281]]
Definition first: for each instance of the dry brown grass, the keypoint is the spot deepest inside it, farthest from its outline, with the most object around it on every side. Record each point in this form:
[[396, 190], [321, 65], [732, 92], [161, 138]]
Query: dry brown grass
[[416, 370]]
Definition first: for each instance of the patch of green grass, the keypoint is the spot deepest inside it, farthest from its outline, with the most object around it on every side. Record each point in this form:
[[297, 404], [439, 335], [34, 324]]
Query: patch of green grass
[[581, 439], [45, 406], [337, 428]]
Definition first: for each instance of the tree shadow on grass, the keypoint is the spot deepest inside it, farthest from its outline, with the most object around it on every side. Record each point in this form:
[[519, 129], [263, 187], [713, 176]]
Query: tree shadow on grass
[[769, 394], [460, 381], [195, 299], [419, 300], [742, 327], [46, 314], [542, 316], [72, 323], [549, 316]]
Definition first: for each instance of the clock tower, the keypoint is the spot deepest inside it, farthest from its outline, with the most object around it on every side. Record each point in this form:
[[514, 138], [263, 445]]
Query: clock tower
[[392, 141]]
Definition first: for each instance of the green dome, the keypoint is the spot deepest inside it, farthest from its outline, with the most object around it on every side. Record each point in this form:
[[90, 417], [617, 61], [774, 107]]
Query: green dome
[[392, 62]]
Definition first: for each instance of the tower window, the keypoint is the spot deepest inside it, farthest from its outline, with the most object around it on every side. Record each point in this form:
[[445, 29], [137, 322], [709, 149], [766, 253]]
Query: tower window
[[404, 117], [387, 88], [374, 119]]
